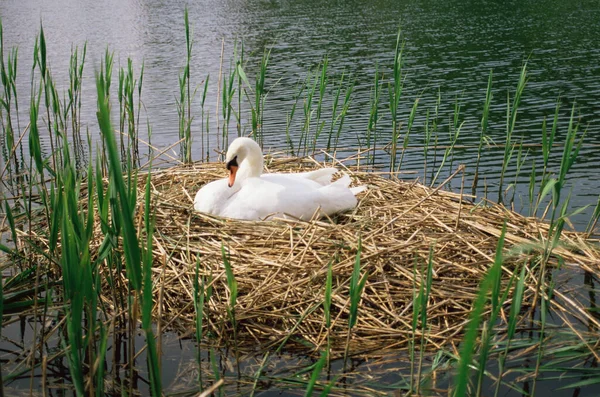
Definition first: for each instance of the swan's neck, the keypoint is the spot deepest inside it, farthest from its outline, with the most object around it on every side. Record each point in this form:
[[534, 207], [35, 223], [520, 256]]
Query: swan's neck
[[251, 166]]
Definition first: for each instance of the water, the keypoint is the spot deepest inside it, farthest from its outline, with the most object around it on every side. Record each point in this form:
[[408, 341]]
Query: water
[[451, 46]]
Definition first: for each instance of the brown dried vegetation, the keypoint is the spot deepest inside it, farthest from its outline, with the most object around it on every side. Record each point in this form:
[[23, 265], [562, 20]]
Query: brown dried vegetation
[[280, 266]]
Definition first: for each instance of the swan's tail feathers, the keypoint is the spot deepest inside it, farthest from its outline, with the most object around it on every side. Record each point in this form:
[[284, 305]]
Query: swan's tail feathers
[[357, 189], [321, 176], [345, 181]]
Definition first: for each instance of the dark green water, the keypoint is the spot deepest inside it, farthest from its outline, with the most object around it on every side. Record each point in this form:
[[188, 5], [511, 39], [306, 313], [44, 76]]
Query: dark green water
[[451, 47]]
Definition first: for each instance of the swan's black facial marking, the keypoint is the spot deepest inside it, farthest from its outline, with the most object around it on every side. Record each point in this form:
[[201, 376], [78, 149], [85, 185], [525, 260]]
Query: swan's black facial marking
[[232, 167], [232, 163]]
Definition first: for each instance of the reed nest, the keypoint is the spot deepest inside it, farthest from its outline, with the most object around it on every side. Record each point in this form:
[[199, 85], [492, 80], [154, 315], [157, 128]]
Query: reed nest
[[281, 266]]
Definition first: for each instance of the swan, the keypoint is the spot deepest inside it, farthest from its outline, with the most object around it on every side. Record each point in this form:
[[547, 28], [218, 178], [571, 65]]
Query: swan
[[251, 195]]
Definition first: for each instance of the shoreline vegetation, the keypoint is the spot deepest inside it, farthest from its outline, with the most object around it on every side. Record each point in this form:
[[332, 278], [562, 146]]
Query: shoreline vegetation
[[102, 253]]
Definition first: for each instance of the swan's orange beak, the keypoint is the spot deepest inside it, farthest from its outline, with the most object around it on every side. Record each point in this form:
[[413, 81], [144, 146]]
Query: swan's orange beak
[[232, 171]]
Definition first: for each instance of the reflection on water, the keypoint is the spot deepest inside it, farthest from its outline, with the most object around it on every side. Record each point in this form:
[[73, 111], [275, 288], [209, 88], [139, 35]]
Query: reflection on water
[[451, 47]]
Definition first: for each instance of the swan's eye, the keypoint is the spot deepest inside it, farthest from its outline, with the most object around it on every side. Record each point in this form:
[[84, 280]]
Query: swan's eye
[[232, 163]]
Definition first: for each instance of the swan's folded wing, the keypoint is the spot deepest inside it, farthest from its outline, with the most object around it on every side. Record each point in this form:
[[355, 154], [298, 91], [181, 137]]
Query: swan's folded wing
[[210, 197], [322, 176], [257, 199]]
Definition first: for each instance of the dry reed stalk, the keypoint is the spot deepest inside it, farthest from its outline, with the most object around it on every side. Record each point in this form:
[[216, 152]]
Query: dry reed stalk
[[281, 266]]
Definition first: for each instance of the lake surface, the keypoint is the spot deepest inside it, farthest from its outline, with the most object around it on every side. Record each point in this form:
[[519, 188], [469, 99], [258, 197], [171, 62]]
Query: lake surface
[[450, 48]]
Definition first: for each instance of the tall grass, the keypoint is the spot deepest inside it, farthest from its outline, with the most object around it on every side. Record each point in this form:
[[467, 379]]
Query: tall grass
[[483, 132], [233, 294], [511, 122], [338, 118], [515, 309], [395, 93], [8, 104], [127, 111], [431, 125], [322, 87], [411, 119], [420, 302], [357, 284], [327, 305], [137, 262], [371, 133], [490, 283], [228, 93], [201, 295], [205, 145], [257, 105], [184, 102], [76, 68]]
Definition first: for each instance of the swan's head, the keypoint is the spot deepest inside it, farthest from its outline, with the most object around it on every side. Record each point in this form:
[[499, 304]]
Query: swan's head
[[246, 156]]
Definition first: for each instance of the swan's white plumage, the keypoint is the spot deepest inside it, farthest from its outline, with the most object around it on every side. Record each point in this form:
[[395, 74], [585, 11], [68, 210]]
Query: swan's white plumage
[[255, 196]]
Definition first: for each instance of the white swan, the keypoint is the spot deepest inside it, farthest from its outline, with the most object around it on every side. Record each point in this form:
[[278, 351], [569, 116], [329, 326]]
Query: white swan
[[250, 194]]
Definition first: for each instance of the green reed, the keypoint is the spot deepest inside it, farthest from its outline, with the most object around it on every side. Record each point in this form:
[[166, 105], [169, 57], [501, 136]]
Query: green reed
[[327, 304], [339, 118], [554, 185], [454, 127], [259, 372], [497, 298], [41, 61], [137, 262], [239, 57], [449, 150], [76, 228], [311, 89], [405, 140], [288, 123], [257, 110], [322, 82], [35, 185], [199, 297], [8, 76], [147, 304], [589, 229], [184, 101], [531, 188], [357, 285], [128, 119], [233, 294], [483, 131], [559, 214], [431, 125], [511, 122], [489, 284], [521, 157], [318, 367], [515, 309], [257, 104], [395, 92], [228, 93], [420, 302], [215, 369], [204, 141], [76, 66], [371, 134], [547, 144]]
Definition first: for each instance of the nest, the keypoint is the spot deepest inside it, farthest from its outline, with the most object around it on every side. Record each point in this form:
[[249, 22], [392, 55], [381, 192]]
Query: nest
[[281, 266]]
